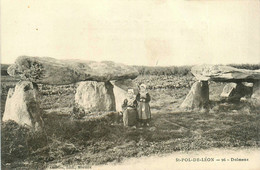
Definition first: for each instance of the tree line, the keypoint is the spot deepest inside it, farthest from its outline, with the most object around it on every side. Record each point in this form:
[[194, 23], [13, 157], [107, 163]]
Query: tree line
[[159, 70], [183, 70]]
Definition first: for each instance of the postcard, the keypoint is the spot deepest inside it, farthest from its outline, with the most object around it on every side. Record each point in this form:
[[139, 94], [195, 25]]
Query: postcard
[[130, 84]]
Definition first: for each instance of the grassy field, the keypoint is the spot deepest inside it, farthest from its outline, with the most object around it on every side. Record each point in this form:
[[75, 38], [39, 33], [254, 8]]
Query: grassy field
[[97, 138]]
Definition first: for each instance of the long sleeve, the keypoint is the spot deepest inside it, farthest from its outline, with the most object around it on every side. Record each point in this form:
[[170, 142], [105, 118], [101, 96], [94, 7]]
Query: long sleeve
[[138, 97], [135, 104], [148, 98], [124, 105], [145, 98]]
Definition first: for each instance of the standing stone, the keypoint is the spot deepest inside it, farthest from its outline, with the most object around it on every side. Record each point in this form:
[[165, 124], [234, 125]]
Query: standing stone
[[234, 91], [205, 93], [248, 89], [228, 90], [22, 105], [120, 96], [256, 90], [198, 96], [255, 98], [95, 96], [120, 91]]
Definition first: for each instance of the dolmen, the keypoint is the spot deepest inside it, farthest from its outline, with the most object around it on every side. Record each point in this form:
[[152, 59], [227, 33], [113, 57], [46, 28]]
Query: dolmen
[[240, 83], [101, 85]]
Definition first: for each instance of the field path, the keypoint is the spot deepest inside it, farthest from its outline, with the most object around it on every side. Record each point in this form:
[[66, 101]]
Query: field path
[[169, 161]]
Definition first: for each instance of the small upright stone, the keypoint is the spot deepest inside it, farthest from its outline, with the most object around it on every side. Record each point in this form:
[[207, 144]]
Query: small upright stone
[[228, 89], [234, 91], [255, 98]]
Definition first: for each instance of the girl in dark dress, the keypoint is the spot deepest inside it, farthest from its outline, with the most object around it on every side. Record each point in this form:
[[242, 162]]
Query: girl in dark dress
[[144, 113], [129, 109]]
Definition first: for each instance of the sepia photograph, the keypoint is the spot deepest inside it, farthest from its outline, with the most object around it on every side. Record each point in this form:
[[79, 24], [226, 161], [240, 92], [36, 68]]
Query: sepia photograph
[[130, 84]]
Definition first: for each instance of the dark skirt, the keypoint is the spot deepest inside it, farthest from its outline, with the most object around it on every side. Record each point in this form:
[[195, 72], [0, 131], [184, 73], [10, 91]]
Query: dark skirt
[[130, 117], [144, 112]]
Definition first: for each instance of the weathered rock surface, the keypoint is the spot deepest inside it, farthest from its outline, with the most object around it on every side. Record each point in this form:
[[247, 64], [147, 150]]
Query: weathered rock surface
[[22, 105], [45, 70], [120, 96], [248, 84], [228, 90], [120, 91], [255, 98], [95, 96], [234, 91], [224, 73], [198, 97]]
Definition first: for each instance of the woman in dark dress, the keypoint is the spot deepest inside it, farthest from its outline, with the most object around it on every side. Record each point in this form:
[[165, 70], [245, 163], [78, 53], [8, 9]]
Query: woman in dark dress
[[129, 109], [144, 113]]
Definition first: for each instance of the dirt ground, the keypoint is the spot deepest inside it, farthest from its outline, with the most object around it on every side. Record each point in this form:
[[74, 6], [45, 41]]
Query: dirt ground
[[213, 159], [90, 139]]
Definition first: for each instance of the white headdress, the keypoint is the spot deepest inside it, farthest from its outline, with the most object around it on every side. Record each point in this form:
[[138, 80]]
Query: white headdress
[[130, 90], [143, 85]]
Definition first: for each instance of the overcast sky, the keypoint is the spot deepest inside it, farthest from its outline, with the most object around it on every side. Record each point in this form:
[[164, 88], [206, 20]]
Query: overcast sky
[[136, 32]]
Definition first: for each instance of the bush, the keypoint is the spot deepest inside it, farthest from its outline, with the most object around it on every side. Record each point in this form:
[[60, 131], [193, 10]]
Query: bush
[[158, 71], [246, 66], [14, 142], [4, 69]]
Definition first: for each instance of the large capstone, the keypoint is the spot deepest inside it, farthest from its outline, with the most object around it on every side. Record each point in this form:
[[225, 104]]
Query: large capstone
[[120, 91], [22, 105], [198, 97], [224, 73], [95, 96], [46, 70]]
